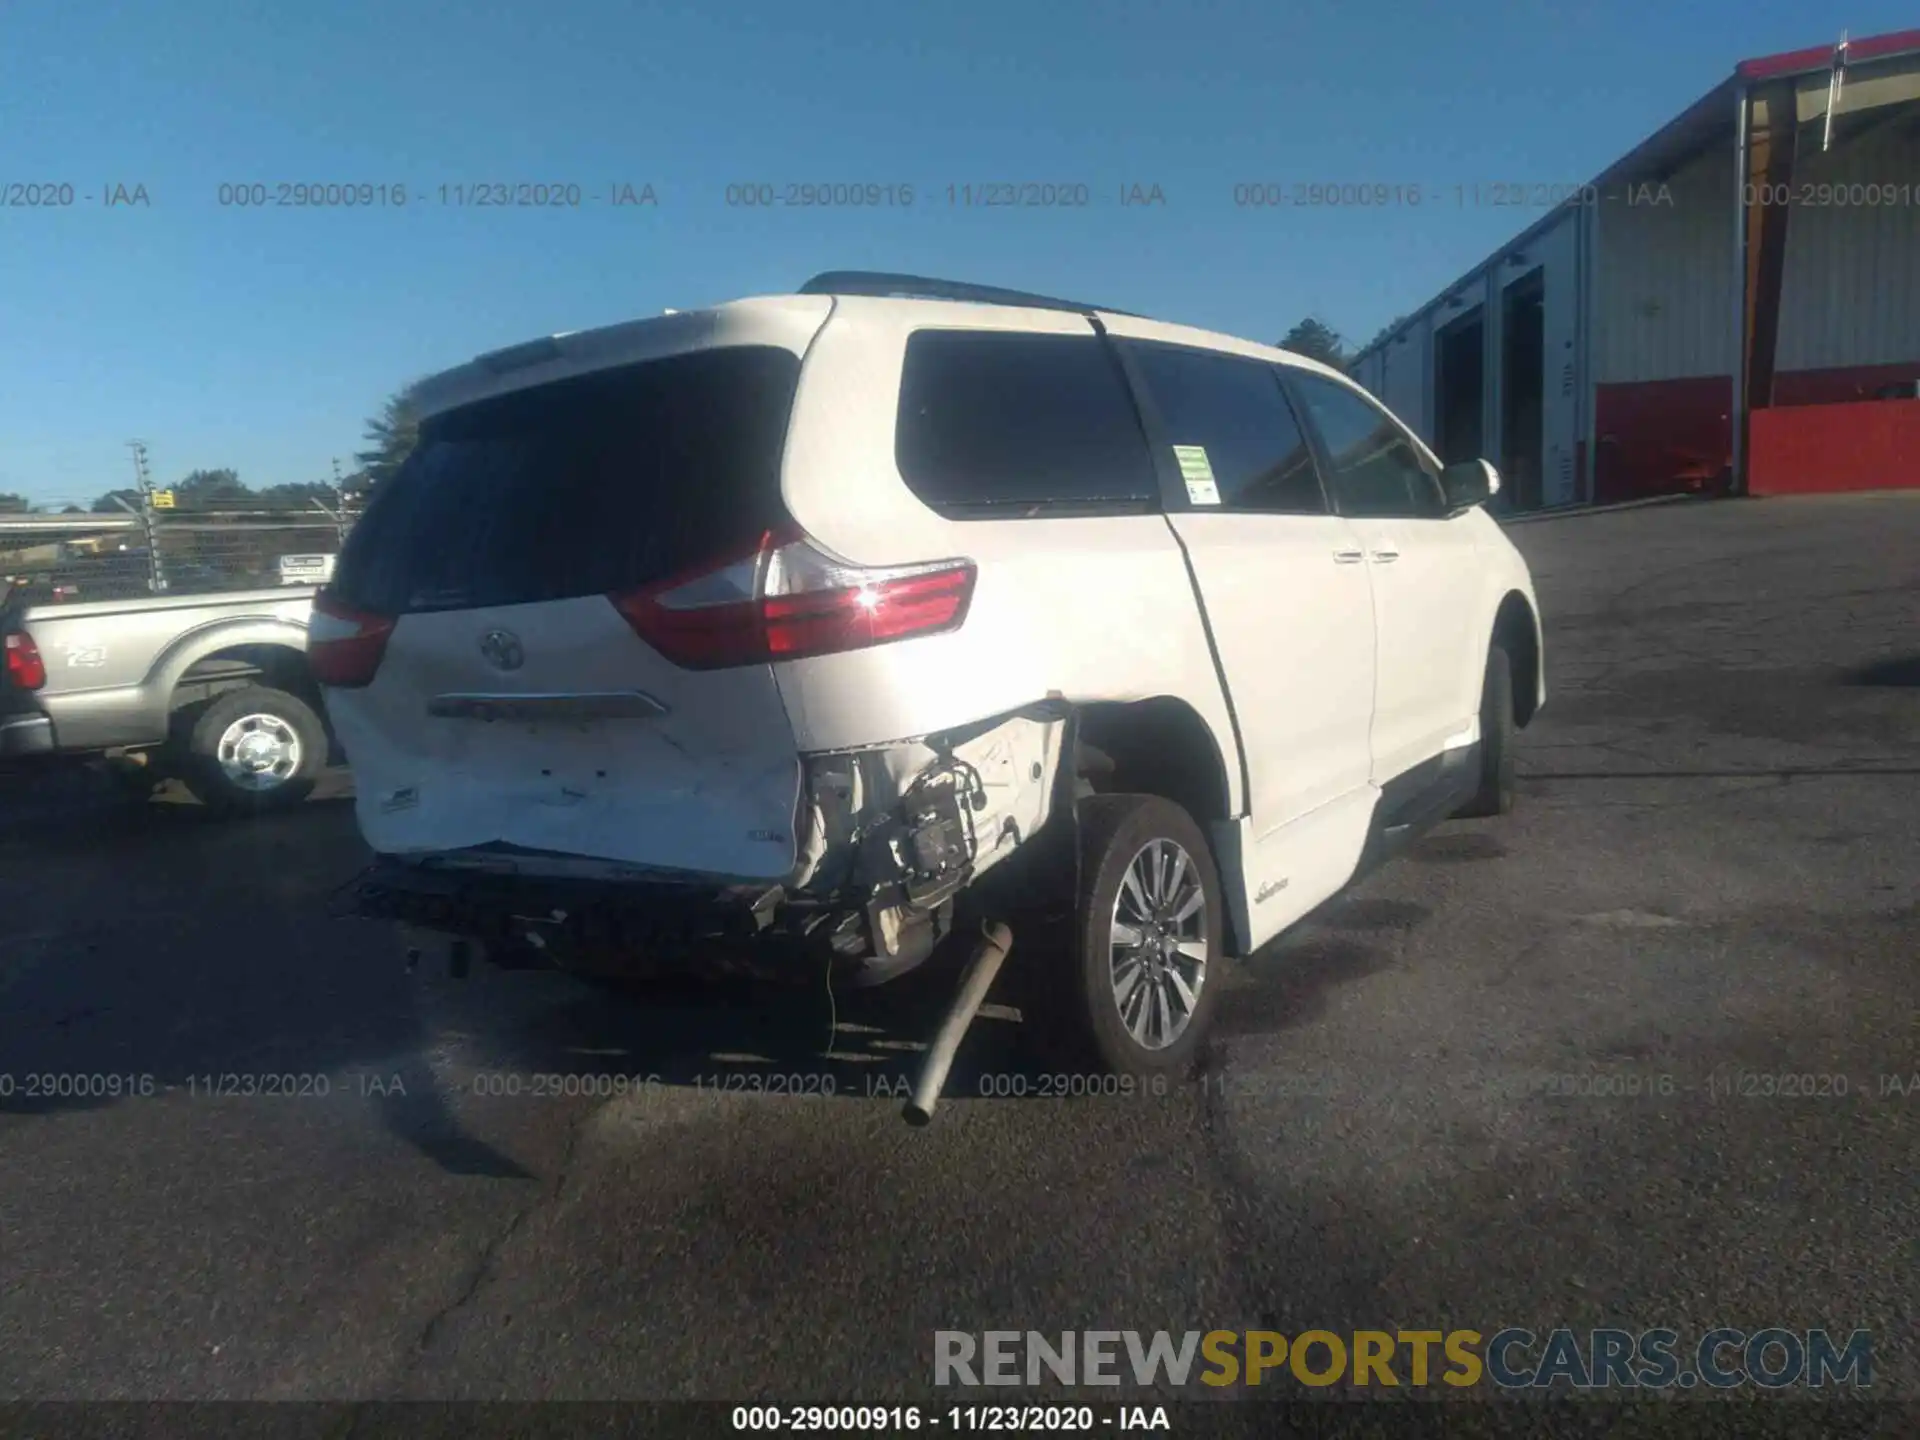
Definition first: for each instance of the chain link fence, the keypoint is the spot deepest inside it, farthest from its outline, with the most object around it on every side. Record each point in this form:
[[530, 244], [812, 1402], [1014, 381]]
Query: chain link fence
[[80, 558]]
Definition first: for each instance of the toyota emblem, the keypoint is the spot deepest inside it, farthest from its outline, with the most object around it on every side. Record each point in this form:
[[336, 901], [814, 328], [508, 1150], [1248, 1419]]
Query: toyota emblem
[[502, 649]]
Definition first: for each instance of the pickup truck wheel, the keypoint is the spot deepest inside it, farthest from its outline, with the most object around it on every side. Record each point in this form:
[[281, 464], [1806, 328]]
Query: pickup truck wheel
[[1495, 795], [1145, 971], [254, 749]]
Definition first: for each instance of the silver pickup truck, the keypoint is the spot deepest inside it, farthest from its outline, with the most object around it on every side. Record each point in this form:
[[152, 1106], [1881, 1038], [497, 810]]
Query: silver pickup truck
[[212, 690]]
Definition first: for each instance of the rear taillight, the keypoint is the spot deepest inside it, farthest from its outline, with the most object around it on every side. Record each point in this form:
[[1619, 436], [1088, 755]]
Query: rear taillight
[[787, 600], [24, 665], [344, 645]]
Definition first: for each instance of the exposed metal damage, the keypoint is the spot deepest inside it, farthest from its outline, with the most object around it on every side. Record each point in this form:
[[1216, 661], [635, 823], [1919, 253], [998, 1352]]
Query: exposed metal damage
[[909, 826], [888, 838]]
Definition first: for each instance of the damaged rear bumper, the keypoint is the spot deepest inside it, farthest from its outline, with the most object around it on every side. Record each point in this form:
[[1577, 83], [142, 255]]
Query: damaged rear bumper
[[532, 921], [891, 836]]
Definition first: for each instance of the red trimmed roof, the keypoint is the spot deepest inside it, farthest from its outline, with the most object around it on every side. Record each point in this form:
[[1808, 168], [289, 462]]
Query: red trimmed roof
[[1798, 62]]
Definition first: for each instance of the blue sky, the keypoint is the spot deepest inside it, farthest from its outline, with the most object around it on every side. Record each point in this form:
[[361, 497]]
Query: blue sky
[[262, 339]]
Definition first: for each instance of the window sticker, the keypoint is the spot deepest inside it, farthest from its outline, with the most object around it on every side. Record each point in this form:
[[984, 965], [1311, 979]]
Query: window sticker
[[1197, 471]]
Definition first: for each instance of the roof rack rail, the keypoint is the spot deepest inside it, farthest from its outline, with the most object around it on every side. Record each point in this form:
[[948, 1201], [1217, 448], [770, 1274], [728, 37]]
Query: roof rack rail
[[880, 284]]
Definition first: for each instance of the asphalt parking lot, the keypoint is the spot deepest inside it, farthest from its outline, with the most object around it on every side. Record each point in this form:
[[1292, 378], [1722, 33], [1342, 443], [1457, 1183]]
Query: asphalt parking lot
[[1713, 879]]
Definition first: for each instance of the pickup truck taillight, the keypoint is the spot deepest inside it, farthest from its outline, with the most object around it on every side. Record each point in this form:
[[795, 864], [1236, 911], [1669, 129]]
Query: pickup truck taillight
[[787, 600], [344, 645], [24, 665]]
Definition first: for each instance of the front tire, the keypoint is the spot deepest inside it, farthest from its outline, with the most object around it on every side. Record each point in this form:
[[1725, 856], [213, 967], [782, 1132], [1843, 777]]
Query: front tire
[[1137, 992], [253, 750], [1495, 795]]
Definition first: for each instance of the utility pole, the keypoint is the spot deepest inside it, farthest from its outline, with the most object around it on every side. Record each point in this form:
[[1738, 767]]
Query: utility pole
[[340, 501], [156, 578]]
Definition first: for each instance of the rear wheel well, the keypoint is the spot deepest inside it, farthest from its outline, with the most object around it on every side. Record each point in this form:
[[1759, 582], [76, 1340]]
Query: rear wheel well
[[279, 667], [1154, 747], [1516, 631]]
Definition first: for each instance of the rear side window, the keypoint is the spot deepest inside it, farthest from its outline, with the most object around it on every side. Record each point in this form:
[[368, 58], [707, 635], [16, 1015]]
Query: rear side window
[[1228, 418], [996, 423], [599, 483]]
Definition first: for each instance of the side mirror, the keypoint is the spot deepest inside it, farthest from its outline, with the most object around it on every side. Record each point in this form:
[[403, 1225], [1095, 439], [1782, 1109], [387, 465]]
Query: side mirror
[[1467, 483]]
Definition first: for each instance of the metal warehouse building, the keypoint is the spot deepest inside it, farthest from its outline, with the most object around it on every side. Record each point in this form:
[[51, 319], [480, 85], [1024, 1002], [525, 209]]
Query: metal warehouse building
[[1735, 304]]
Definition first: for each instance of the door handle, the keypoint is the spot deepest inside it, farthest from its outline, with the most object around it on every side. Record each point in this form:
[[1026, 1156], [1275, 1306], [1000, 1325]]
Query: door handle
[[1385, 557], [1348, 557]]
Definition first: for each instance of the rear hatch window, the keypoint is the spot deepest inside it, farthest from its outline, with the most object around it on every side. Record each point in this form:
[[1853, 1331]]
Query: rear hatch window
[[596, 484]]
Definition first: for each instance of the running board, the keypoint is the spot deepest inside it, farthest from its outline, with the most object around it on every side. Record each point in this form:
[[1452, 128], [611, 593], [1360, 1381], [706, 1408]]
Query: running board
[[1414, 802]]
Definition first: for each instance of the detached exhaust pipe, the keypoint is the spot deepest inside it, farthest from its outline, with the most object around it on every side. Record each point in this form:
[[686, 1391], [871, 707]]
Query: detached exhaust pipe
[[988, 956]]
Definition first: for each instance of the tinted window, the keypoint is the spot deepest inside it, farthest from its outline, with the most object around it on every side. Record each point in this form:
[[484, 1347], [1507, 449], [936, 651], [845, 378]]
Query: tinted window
[[1235, 411], [1376, 470], [993, 422], [581, 487]]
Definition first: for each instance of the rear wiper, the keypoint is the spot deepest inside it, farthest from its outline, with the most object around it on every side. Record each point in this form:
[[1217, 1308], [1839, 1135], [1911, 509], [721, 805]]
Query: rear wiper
[[430, 600]]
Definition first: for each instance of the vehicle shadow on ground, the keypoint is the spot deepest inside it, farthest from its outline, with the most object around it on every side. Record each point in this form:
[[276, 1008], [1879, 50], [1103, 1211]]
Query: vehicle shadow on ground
[[156, 950], [607, 1038], [1289, 982], [163, 944], [87, 804], [1900, 673], [872, 1043]]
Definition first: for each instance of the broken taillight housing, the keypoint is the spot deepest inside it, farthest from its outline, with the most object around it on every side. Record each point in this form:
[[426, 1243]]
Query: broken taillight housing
[[24, 665], [344, 645], [789, 600]]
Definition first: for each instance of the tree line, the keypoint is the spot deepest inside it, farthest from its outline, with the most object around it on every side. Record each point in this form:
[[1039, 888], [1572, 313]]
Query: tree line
[[389, 438]]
